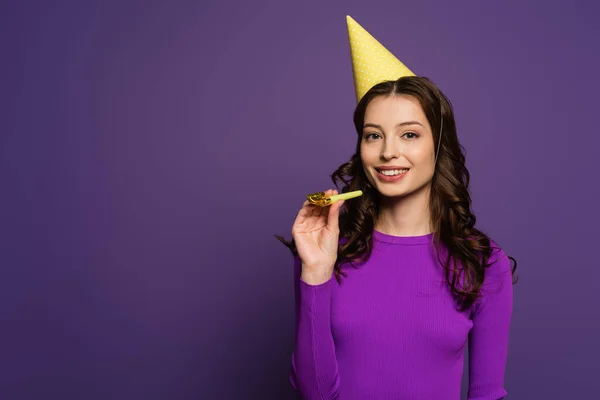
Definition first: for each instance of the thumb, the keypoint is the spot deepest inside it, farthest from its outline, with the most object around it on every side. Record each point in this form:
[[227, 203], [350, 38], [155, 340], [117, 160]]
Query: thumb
[[334, 216]]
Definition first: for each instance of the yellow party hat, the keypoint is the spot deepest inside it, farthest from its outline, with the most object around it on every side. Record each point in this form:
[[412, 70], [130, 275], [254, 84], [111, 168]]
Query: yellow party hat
[[371, 62]]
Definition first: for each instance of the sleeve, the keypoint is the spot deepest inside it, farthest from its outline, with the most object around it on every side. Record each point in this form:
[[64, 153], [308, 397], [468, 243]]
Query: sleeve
[[314, 371], [488, 339]]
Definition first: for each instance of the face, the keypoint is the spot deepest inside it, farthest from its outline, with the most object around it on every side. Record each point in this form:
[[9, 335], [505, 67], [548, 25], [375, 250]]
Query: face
[[397, 147]]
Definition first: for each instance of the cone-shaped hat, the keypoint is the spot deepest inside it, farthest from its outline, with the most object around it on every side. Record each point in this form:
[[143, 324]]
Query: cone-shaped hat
[[371, 62]]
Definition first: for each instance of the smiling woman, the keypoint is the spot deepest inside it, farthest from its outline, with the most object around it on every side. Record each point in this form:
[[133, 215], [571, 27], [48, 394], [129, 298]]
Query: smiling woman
[[389, 152], [414, 278], [409, 188]]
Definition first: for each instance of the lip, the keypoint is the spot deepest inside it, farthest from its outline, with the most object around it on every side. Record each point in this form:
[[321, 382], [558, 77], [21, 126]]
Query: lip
[[389, 167], [386, 178]]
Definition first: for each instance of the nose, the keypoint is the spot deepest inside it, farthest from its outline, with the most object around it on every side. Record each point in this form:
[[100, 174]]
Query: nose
[[390, 151]]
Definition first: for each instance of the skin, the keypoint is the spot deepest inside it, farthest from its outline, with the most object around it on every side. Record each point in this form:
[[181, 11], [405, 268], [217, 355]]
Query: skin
[[402, 137], [316, 232], [396, 133]]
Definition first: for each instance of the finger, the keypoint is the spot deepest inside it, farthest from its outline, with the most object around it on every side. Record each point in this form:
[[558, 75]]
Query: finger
[[317, 212], [305, 209], [310, 210], [330, 192], [334, 215], [325, 210], [304, 212]]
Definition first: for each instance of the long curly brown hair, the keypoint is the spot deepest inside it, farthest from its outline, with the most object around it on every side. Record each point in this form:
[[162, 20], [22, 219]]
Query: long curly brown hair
[[467, 249]]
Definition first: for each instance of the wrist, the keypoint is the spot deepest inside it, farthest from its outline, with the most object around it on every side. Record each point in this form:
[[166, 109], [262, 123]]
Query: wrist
[[316, 278]]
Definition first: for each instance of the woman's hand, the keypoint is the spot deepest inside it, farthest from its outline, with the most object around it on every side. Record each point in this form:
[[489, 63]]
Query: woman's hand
[[316, 234]]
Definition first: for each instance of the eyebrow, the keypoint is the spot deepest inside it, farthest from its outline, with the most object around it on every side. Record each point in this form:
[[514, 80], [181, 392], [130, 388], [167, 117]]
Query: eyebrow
[[371, 125]]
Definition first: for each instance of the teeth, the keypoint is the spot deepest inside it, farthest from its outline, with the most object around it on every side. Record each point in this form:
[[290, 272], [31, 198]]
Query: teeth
[[393, 172]]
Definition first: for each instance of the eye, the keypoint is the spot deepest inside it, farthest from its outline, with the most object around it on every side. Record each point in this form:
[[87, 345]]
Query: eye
[[372, 136], [410, 135]]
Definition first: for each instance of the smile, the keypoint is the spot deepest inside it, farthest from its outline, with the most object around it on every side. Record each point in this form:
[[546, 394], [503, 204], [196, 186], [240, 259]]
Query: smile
[[391, 175], [393, 172]]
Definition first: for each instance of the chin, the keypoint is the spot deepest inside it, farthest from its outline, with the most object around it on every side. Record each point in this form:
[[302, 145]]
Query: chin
[[394, 192], [398, 190]]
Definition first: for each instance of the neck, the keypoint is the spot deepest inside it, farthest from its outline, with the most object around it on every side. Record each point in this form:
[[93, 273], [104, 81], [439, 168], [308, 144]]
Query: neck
[[405, 216]]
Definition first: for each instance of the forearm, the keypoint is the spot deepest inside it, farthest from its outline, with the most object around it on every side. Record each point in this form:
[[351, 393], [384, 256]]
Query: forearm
[[314, 364]]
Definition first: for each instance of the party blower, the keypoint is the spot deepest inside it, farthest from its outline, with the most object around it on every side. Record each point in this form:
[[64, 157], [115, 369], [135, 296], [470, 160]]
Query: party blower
[[319, 198]]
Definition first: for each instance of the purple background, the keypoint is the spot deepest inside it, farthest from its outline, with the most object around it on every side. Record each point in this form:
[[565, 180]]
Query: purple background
[[150, 150]]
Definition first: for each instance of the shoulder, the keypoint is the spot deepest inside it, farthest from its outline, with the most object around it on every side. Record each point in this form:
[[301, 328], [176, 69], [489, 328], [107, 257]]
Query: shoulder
[[496, 294], [498, 262], [497, 271]]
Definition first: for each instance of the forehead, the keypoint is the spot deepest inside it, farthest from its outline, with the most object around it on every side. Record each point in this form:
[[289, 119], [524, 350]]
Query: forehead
[[392, 110]]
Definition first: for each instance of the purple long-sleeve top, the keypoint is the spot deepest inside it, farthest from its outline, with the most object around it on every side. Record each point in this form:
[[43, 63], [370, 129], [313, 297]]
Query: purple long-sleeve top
[[392, 330]]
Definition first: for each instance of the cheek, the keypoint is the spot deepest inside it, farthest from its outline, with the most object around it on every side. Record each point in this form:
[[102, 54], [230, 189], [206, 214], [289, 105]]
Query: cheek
[[421, 157], [369, 154], [364, 156]]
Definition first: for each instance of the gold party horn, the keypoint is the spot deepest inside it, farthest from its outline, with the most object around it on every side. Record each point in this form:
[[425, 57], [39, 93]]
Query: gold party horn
[[319, 198]]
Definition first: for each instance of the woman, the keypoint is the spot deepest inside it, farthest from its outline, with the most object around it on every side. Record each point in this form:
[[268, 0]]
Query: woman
[[390, 285]]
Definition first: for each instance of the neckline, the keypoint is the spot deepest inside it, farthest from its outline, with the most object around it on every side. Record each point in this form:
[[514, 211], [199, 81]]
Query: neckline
[[386, 238]]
